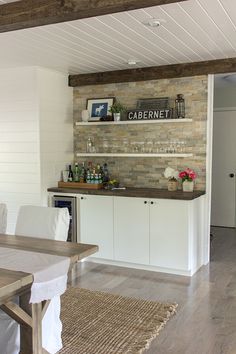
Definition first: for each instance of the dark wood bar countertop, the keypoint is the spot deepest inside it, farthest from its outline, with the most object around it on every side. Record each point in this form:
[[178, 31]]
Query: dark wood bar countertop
[[133, 192]]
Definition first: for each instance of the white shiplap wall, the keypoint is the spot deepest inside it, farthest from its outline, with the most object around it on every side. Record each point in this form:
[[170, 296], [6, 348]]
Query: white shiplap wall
[[56, 127], [25, 167], [19, 140]]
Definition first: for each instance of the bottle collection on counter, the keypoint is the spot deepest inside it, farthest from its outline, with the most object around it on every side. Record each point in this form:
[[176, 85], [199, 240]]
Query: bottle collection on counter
[[89, 174]]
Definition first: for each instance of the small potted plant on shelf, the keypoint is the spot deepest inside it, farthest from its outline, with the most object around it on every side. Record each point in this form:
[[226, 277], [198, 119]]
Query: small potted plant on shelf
[[172, 176], [188, 176], [116, 109]]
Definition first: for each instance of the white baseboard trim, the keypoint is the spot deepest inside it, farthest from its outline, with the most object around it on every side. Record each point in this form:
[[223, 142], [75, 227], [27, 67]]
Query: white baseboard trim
[[187, 273]]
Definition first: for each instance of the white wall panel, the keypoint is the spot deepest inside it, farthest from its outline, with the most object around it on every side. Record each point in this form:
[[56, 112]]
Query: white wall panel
[[20, 187], [19, 157], [18, 106], [17, 137], [29, 147], [55, 147], [18, 178], [56, 127], [13, 199], [17, 115], [24, 126], [36, 135], [16, 168], [19, 140]]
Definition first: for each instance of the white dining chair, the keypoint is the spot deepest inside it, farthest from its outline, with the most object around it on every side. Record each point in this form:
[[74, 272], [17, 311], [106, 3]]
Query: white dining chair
[[3, 218], [9, 334], [43, 222], [49, 223], [8, 327]]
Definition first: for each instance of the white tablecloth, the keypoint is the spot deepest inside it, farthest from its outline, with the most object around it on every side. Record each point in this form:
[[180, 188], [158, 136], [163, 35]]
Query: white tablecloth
[[49, 271], [50, 280]]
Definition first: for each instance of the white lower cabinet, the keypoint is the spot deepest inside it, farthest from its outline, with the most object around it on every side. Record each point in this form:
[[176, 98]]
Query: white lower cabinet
[[131, 230], [96, 223], [169, 234], [160, 234]]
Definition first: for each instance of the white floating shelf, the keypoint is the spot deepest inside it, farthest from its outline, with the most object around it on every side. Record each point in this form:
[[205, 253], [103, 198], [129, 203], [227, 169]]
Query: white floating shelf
[[86, 154], [122, 122]]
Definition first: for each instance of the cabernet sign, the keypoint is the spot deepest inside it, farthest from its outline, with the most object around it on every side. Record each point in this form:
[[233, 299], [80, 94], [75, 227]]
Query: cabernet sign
[[149, 114]]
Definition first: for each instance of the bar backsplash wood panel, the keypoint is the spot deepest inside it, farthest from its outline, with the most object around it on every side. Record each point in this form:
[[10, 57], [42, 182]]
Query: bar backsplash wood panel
[[141, 171]]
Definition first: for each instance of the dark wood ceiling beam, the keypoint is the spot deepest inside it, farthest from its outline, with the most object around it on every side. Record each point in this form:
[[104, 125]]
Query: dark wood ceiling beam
[[155, 72], [31, 13]]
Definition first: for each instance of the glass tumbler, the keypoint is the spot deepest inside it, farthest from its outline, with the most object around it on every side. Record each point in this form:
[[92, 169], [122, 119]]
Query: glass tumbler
[[125, 146], [149, 146]]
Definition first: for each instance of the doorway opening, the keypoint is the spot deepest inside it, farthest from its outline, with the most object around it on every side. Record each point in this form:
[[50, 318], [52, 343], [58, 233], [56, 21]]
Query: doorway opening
[[223, 196]]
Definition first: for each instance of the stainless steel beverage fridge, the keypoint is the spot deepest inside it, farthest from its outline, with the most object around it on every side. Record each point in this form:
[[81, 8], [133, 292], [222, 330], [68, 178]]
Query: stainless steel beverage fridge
[[60, 201]]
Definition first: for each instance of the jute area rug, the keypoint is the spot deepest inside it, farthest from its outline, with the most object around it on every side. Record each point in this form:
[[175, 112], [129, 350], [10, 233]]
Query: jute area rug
[[100, 323]]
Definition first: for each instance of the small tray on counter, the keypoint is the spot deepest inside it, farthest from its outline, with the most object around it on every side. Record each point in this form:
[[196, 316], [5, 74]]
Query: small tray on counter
[[79, 185]]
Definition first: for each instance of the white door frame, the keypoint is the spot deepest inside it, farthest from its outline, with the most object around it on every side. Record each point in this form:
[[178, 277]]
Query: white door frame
[[209, 139]]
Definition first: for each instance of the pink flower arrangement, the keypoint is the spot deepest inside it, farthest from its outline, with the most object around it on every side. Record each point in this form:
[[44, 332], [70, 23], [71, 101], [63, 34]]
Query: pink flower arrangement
[[187, 175]]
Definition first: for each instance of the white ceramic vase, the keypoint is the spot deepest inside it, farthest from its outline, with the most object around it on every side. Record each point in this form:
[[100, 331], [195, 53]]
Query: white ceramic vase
[[188, 186], [116, 117], [85, 115]]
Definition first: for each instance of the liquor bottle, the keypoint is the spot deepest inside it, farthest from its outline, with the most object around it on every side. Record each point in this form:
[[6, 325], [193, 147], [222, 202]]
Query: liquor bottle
[[89, 173], [96, 178], [98, 168], [83, 173], [105, 173], [88, 176], [93, 176], [76, 173], [100, 178], [70, 174], [98, 174]]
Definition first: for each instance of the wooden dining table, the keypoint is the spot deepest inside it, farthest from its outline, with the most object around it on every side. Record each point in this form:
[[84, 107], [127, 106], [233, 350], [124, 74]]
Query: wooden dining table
[[17, 283]]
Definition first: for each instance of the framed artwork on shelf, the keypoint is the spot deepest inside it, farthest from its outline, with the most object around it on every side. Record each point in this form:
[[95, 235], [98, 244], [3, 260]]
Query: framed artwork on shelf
[[99, 107]]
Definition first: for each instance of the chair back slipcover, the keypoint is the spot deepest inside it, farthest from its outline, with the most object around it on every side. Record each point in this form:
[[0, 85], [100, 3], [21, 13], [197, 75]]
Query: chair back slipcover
[[43, 222], [3, 218]]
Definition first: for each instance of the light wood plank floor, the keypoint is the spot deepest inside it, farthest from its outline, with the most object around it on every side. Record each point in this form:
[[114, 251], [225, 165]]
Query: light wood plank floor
[[205, 322]]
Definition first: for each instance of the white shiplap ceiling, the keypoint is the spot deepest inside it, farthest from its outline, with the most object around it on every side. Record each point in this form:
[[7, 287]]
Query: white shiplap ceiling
[[193, 30]]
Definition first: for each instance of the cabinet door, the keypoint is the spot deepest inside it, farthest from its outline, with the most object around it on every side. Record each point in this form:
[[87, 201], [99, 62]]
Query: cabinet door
[[96, 223], [169, 243], [131, 230]]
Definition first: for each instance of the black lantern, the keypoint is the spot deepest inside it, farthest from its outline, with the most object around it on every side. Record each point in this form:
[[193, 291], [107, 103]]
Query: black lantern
[[180, 106]]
